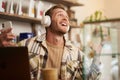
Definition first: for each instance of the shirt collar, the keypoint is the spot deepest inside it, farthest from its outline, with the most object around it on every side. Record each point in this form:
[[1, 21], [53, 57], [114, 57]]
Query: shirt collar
[[42, 39]]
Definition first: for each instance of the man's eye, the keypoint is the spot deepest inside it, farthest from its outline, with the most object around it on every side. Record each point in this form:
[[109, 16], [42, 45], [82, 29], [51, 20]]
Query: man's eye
[[60, 15]]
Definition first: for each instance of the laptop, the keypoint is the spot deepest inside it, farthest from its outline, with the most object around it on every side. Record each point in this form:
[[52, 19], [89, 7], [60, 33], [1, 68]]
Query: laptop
[[14, 63]]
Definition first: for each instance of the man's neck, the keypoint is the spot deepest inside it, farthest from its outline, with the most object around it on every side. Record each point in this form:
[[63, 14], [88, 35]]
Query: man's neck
[[55, 39]]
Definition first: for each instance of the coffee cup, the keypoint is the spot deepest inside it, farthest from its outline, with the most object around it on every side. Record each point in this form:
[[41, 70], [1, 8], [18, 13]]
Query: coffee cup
[[49, 74]]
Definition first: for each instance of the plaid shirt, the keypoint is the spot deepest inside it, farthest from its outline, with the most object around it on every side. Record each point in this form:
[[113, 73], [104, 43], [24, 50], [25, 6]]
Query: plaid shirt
[[71, 64]]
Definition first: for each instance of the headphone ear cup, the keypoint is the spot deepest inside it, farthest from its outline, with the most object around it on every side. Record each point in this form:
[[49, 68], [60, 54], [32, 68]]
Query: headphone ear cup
[[46, 21]]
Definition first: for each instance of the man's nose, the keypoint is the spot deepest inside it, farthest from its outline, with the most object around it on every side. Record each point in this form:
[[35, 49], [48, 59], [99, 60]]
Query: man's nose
[[66, 18]]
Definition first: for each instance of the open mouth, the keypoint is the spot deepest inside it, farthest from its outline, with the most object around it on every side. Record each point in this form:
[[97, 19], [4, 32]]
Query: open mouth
[[64, 24]]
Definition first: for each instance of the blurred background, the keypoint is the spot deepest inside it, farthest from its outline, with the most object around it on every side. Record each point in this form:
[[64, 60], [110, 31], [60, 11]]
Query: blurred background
[[93, 22]]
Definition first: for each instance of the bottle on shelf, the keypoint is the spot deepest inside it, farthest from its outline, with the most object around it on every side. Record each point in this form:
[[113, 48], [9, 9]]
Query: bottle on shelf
[[2, 6]]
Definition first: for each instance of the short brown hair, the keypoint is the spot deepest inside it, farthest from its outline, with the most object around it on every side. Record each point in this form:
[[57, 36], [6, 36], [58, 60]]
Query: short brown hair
[[49, 12]]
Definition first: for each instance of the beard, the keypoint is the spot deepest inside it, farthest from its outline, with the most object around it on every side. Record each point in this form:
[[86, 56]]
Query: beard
[[62, 32], [59, 31]]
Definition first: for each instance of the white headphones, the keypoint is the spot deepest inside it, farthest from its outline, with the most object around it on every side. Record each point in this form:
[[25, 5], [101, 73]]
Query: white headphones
[[46, 21]]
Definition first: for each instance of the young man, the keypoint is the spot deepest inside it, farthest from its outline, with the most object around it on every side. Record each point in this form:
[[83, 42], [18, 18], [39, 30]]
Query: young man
[[52, 50]]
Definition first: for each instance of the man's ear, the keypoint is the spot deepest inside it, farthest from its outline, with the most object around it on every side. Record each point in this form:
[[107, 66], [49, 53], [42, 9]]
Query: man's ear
[[46, 21]]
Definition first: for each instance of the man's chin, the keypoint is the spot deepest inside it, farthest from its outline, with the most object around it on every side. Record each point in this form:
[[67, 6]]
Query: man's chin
[[64, 32]]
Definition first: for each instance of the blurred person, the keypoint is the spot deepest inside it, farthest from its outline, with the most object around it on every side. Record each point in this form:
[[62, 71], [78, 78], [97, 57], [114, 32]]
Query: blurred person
[[52, 50]]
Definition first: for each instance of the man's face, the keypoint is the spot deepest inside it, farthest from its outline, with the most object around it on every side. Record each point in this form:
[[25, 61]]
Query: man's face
[[60, 21]]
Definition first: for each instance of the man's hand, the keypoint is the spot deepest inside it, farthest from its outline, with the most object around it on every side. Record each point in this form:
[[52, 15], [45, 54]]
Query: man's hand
[[6, 37]]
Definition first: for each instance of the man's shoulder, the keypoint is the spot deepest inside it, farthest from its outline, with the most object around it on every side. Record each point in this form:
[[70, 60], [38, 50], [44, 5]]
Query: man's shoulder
[[26, 41], [39, 38], [70, 45]]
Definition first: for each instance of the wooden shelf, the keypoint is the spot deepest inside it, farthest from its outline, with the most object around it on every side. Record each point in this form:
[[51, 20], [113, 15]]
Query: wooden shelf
[[68, 3], [15, 17], [102, 21]]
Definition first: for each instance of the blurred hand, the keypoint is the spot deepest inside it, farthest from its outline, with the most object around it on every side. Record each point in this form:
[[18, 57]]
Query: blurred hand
[[6, 38]]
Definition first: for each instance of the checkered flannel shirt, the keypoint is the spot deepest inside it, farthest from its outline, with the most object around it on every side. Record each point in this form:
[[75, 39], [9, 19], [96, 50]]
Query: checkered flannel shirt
[[72, 66]]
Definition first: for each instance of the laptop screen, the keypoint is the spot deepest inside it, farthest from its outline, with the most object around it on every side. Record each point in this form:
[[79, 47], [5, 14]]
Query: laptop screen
[[14, 63]]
